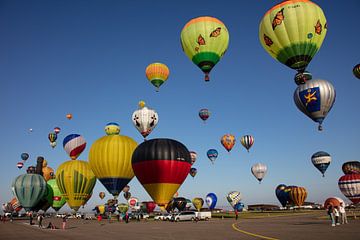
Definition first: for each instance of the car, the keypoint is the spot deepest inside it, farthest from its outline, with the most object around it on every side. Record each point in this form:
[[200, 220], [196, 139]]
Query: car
[[89, 216], [184, 216], [135, 216], [163, 217], [60, 215]]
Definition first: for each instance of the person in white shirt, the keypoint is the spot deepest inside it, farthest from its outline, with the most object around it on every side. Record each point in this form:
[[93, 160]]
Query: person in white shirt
[[337, 215], [343, 214]]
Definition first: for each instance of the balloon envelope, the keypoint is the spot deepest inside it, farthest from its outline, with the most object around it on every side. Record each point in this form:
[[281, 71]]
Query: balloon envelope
[[74, 145], [247, 141], [298, 195], [211, 200], [281, 195], [233, 198], [24, 156], [157, 74], [321, 161], [212, 154], [204, 114], [228, 141], [145, 120], [193, 156], [351, 167], [193, 172], [349, 185], [356, 71], [259, 171], [55, 198], [198, 203]]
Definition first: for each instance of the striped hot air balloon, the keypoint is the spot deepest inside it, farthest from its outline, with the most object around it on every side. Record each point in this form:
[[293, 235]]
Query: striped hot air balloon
[[321, 161], [351, 167], [349, 185], [161, 166], [204, 114], [74, 145], [157, 74], [298, 195], [20, 165], [247, 141]]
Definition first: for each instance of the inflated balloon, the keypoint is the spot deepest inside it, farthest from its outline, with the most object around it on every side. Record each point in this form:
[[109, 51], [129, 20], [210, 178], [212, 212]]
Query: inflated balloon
[[112, 128], [48, 173], [157, 74], [198, 203], [292, 32], [133, 201], [287, 194], [356, 71], [126, 188], [281, 195], [123, 207], [349, 185], [57, 130], [69, 116], [55, 199], [20, 165], [127, 195], [211, 200], [110, 160], [321, 161], [31, 169], [74, 145], [247, 141], [101, 195], [351, 167], [15, 205], [212, 154], [29, 189], [205, 40], [315, 99], [193, 156], [302, 77], [259, 170], [298, 195], [204, 114], [233, 198], [24, 156], [76, 181], [228, 141], [239, 207], [161, 166], [170, 206], [331, 201], [149, 206], [145, 120], [180, 203], [193, 172]]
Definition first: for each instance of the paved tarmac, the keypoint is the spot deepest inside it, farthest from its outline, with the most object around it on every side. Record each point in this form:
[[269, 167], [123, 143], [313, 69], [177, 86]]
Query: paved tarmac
[[309, 226]]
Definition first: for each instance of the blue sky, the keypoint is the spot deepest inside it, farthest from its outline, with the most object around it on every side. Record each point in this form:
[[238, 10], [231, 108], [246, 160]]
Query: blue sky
[[88, 58]]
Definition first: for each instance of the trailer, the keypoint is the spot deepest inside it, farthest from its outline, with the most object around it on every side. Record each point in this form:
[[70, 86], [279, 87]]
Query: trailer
[[203, 215]]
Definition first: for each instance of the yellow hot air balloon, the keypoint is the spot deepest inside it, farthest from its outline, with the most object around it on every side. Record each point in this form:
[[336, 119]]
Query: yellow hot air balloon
[[76, 181], [198, 203], [292, 32], [110, 160], [48, 173], [157, 73], [205, 40]]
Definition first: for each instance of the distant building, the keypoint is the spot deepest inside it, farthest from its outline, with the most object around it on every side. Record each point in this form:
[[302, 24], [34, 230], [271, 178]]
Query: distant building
[[262, 207]]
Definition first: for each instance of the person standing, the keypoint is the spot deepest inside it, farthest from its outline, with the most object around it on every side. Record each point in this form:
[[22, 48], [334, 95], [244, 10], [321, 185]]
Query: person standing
[[330, 212], [337, 215], [31, 218], [127, 217], [64, 222], [343, 214], [40, 219], [236, 214]]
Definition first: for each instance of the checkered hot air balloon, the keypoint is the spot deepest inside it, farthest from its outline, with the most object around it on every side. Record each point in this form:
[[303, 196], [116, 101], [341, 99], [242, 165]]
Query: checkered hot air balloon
[[233, 198], [74, 145], [349, 185]]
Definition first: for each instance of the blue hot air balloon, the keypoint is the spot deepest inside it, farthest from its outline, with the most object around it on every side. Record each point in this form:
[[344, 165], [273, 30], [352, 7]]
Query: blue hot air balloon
[[281, 195], [212, 154], [321, 161], [211, 200], [239, 206]]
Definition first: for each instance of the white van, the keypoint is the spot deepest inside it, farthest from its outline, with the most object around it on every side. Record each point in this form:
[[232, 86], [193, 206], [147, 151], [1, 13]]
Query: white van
[[203, 215], [184, 216]]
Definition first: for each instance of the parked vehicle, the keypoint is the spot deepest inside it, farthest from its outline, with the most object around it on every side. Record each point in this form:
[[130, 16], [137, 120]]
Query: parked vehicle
[[135, 216], [60, 215], [89, 216], [203, 215], [184, 216], [163, 217]]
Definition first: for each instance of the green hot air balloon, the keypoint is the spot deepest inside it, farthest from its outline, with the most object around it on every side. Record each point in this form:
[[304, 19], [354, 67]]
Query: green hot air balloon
[[29, 189], [54, 198], [123, 207]]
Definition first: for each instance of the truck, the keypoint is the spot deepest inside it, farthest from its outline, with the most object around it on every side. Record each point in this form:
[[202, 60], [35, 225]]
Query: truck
[[203, 215]]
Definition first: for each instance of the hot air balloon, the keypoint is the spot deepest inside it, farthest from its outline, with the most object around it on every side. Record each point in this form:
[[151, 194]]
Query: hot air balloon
[[30, 129], [198, 203], [15, 205], [233, 198], [211, 200], [110, 160], [204, 114], [133, 201], [193, 172], [112, 128], [351, 167], [145, 119], [48, 173], [205, 40], [281, 194], [123, 208], [101, 195], [298, 195], [76, 181], [57, 130], [259, 170], [356, 71], [228, 141], [24, 156], [315, 99], [292, 32], [331, 201], [149, 206], [193, 156], [212, 154], [349, 185], [302, 77], [55, 199], [69, 116], [180, 203], [321, 161], [287, 194], [74, 145], [157, 74], [170, 206], [247, 141], [127, 195], [29, 189], [53, 144], [161, 166], [126, 188], [31, 169], [20, 165]]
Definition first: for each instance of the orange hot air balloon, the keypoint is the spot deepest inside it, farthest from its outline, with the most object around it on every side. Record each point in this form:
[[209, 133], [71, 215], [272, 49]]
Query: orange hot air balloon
[[161, 166], [157, 73], [298, 195], [228, 141], [69, 116], [48, 173], [331, 201], [101, 195]]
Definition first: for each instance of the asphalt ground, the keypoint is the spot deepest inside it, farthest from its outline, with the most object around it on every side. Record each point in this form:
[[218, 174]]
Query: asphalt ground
[[302, 226]]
